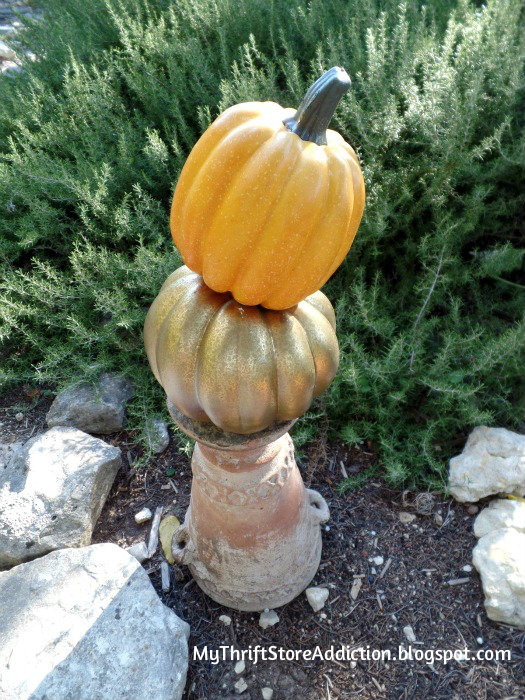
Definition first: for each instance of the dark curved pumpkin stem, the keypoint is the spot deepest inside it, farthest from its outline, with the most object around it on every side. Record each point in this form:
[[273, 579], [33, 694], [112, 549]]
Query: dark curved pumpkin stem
[[313, 115]]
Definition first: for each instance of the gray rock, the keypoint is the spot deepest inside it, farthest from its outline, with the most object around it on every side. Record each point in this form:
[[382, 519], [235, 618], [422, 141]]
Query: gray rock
[[6, 52], [80, 624], [94, 409], [10, 68], [52, 490], [158, 435], [493, 461]]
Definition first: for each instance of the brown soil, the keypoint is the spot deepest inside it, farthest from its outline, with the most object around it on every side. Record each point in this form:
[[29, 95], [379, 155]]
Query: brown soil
[[424, 555]]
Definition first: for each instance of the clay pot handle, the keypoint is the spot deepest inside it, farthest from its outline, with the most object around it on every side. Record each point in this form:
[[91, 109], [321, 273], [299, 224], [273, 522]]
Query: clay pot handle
[[181, 547], [318, 507]]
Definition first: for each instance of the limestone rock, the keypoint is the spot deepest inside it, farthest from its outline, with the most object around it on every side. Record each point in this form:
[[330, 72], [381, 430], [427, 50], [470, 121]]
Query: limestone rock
[[409, 633], [158, 435], [139, 550], [268, 618], [93, 409], [406, 518], [240, 686], [143, 516], [87, 623], [493, 461], [500, 513], [499, 557], [317, 597], [7, 452], [51, 493]]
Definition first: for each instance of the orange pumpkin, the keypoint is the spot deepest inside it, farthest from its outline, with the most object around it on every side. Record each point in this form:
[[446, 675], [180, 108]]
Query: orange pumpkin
[[269, 200]]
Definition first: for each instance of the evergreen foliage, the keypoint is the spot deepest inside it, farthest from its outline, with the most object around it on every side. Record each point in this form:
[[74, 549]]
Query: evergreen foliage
[[430, 299]]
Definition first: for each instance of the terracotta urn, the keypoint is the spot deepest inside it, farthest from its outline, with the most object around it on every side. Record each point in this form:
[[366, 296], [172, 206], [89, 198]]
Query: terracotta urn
[[251, 536]]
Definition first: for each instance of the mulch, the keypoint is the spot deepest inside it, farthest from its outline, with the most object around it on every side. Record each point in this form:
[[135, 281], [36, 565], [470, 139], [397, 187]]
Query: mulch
[[426, 557]]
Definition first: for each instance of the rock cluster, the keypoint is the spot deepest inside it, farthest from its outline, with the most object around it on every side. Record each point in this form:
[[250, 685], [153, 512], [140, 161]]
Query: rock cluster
[[493, 462]]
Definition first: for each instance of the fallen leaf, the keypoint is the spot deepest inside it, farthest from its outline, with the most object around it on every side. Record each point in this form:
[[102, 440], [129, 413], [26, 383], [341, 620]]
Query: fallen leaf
[[168, 525]]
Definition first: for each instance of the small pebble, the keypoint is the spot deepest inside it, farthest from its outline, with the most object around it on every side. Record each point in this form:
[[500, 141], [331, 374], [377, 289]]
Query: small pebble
[[267, 693], [467, 568], [143, 516], [472, 510], [268, 618], [353, 664], [317, 597], [139, 551], [479, 640], [19, 417], [322, 616], [378, 560], [240, 686], [438, 519], [406, 518], [409, 633], [165, 576], [356, 587], [225, 619], [239, 667]]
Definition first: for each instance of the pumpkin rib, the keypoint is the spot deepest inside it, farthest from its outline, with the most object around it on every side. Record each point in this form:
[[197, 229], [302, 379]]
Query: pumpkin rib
[[312, 352], [178, 338], [294, 387], [316, 333], [264, 316], [201, 344], [237, 225], [201, 350], [358, 185], [152, 324], [320, 302], [326, 272], [202, 201], [315, 246], [271, 234], [220, 128]]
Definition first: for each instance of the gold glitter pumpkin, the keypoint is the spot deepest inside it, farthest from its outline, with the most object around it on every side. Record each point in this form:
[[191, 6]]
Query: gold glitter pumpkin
[[239, 367]]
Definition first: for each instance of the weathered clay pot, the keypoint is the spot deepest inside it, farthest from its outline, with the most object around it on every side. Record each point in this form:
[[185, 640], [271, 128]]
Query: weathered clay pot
[[251, 536]]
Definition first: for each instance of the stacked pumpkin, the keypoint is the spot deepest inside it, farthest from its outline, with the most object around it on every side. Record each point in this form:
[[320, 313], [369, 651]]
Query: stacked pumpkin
[[266, 208]]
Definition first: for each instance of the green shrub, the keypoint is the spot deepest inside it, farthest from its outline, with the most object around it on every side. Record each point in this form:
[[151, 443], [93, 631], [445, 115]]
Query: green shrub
[[429, 300]]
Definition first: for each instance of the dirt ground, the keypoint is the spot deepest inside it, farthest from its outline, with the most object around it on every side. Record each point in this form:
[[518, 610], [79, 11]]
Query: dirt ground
[[424, 581]]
